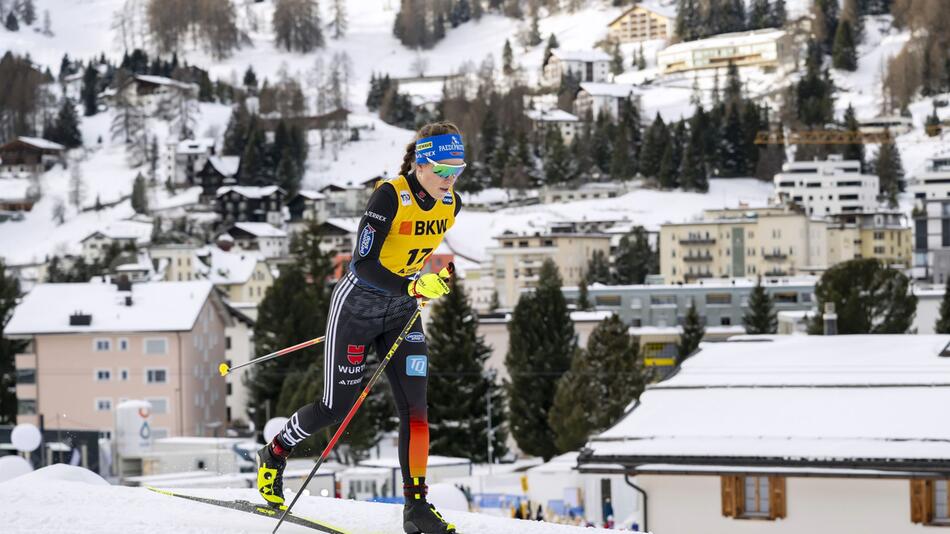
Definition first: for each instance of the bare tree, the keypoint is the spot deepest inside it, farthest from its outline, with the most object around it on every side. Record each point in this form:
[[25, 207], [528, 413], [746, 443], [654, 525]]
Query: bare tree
[[297, 25], [77, 188], [339, 22]]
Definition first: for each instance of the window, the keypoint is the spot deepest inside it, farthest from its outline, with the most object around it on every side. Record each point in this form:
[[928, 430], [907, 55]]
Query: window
[[26, 376], [102, 345], [26, 407], [123, 344], [156, 376], [930, 502], [227, 342], [103, 405], [718, 298], [607, 300], [123, 374], [663, 300], [725, 321], [156, 346], [753, 497], [159, 404], [103, 375]]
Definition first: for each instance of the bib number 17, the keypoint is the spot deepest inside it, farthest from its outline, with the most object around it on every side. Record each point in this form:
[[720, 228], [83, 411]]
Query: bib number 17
[[418, 256]]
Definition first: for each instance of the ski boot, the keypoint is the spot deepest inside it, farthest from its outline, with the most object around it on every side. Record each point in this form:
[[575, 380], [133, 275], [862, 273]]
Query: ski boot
[[271, 460], [420, 517]]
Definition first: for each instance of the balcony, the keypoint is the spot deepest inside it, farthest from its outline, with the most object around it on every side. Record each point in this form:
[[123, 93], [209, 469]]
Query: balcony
[[776, 272], [696, 240], [697, 259], [696, 276], [775, 256]]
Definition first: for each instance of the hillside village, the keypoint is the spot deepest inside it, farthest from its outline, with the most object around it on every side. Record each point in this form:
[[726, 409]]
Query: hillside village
[[676, 166]]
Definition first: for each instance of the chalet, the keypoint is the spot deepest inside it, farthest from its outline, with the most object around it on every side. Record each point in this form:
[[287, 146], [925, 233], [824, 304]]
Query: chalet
[[149, 92], [25, 156], [261, 237], [541, 120], [307, 205], [126, 235], [250, 204], [217, 172]]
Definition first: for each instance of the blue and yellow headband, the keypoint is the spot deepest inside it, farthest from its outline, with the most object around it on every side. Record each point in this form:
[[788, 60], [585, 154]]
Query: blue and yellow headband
[[439, 148]]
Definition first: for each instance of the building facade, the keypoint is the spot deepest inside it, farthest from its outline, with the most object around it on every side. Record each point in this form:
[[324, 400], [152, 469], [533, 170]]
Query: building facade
[[183, 159], [217, 172], [642, 22], [596, 98], [829, 187], [250, 204], [517, 260], [884, 235], [719, 302], [766, 49], [306, 206], [270, 241], [27, 156], [934, 182], [585, 65], [158, 341], [737, 243], [542, 120]]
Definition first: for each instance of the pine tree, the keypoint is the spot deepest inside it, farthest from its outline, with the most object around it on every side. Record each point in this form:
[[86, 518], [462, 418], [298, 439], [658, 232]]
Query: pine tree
[[621, 162], [854, 151], [942, 326], [777, 14], [655, 141], [825, 25], [542, 342], [583, 296], [292, 310], [601, 382], [250, 80], [616, 59], [11, 23], [9, 348], [932, 123], [507, 60], [688, 20], [139, 195], [235, 135], [458, 385], [851, 12], [844, 55], [869, 298], [759, 16], [598, 268], [65, 129], [549, 49], [635, 258], [90, 90], [814, 93], [693, 332], [890, 172], [666, 173], [339, 22], [556, 160], [27, 12], [534, 33], [761, 317]]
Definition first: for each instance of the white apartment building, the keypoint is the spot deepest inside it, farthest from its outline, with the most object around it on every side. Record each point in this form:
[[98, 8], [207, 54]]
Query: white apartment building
[[270, 241], [183, 159], [597, 97], [586, 65], [541, 120], [643, 22], [768, 49], [829, 187], [123, 234], [934, 182]]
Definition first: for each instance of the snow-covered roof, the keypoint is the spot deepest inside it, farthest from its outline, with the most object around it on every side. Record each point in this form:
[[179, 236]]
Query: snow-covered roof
[[764, 35], [156, 307], [347, 224], [598, 316], [226, 165], [249, 191], [229, 267], [195, 146], [141, 232], [551, 115], [619, 90], [858, 400], [580, 55], [564, 463], [260, 229], [41, 143], [310, 194], [162, 80]]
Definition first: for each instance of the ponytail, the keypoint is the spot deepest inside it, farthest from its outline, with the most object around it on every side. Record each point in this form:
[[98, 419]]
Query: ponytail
[[433, 128]]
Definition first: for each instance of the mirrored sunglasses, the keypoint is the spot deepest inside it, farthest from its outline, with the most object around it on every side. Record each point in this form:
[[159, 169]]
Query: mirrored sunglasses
[[446, 171]]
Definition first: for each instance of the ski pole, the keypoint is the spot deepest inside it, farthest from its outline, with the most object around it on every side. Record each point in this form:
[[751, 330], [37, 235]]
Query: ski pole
[[445, 273], [224, 368]]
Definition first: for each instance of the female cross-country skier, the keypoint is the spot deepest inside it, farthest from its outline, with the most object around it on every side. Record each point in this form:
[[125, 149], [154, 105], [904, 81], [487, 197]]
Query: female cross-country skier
[[405, 221]]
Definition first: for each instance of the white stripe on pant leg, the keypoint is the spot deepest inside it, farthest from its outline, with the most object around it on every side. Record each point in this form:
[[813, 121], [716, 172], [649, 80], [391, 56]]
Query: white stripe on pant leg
[[331, 346], [327, 348]]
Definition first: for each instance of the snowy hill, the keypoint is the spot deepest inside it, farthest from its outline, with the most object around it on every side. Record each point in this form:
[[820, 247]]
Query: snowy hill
[[62, 498]]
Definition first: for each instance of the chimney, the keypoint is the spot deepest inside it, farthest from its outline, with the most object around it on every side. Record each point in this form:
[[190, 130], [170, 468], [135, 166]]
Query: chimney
[[128, 300], [831, 319], [79, 318]]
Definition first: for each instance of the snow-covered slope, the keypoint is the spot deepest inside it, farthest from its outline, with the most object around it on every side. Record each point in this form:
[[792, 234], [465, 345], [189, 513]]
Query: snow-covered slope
[[62, 498]]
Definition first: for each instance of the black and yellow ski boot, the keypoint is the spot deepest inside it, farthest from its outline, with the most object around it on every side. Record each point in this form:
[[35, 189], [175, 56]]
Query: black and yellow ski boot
[[271, 460], [420, 517]]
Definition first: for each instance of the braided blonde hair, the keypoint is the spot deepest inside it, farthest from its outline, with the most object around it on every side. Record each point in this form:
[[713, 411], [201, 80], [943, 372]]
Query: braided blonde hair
[[433, 128]]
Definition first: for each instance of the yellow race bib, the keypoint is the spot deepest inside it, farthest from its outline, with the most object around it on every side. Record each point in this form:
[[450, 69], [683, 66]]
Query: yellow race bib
[[415, 233]]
